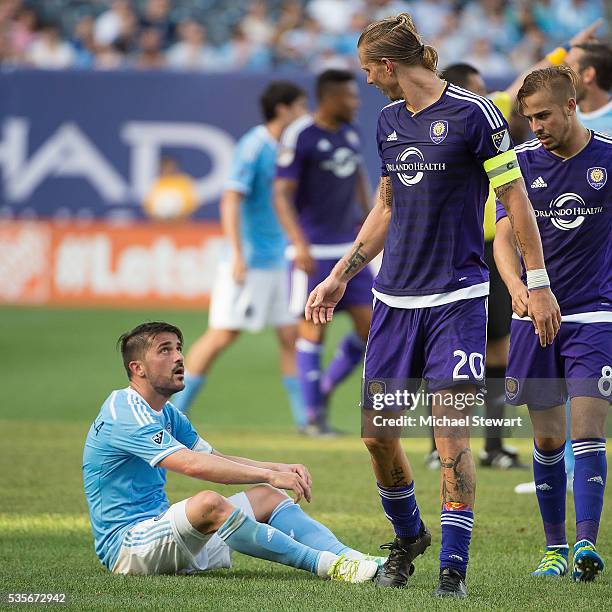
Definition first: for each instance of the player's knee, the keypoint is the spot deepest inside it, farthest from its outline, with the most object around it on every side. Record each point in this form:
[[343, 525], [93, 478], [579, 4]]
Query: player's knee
[[380, 446], [549, 443], [211, 507], [264, 498], [222, 338]]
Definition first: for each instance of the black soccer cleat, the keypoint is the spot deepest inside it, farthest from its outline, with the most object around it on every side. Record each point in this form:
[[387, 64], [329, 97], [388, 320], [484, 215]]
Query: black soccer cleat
[[399, 567], [451, 584]]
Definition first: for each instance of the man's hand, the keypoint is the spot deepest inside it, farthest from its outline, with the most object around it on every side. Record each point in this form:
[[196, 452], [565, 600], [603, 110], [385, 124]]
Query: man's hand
[[545, 314], [297, 468], [520, 298], [303, 259], [323, 299], [588, 34], [239, 269], [291, 481]]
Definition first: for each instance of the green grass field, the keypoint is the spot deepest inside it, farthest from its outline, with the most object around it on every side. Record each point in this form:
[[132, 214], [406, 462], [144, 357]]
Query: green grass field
[[58, 366]]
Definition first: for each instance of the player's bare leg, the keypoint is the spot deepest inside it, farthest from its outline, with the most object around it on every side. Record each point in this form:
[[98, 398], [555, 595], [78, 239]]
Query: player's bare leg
[[287, 338], [457, 492], [199, 360], [396, 487], [349, 352], [588, 429]]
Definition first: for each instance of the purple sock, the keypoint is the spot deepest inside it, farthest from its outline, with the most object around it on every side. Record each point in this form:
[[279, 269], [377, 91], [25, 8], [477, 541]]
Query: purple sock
[[308, 362], [590, 474], [457, 521], [551, 485], [399, 504], [348, 354]]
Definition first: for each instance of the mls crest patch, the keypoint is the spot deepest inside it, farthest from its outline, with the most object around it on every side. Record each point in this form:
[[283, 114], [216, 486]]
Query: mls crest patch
[[375, 387], [501, 140], [512, 387], [438, 131], [158, 437], [597, 177]]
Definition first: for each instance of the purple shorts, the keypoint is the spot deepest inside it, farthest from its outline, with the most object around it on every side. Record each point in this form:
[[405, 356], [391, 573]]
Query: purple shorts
[[577, 364], [358, 291], [444, 345]]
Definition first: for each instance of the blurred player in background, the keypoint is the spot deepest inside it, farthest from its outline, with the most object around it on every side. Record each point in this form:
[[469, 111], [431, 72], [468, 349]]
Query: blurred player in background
[[172, 195], [138, 435], [251, 287], [320, 176], [440, 146], [566, 170]]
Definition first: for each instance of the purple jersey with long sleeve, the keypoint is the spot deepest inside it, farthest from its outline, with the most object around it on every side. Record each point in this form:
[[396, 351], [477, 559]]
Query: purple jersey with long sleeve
[[572, 201], [434, 247], [325, 165]]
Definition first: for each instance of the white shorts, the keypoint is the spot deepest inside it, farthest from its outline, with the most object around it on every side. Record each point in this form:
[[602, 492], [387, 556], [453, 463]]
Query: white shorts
[[171, 545], [261, 301]]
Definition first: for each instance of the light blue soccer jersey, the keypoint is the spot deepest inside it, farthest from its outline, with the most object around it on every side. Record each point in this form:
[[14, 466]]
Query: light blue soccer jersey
[[599, 120], [254, 168], [124, 445]]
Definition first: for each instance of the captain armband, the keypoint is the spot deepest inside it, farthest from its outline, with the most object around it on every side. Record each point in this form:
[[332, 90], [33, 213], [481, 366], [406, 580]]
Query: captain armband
[[502, 168]]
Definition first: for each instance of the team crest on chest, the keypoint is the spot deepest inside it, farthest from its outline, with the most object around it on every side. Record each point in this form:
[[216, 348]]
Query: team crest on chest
[[438, 131], [324, 145], [597, 177]]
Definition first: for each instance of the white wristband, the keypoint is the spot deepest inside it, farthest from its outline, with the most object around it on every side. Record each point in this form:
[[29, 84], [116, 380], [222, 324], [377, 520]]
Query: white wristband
[[537, 279]]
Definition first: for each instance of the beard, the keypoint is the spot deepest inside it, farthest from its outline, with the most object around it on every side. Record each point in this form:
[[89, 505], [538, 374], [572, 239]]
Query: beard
[[168, 388]]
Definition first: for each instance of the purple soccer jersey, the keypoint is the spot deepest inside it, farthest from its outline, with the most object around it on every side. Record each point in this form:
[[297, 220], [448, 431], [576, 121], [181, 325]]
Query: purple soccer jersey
[[325, 165], [572, 201], [435, 160], [573, 208]]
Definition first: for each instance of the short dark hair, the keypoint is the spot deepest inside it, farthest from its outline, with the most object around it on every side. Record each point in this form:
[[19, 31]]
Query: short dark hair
[[134, 344], [598, 55], [278, 92], [560, 81], [331, 77], [458, 74]]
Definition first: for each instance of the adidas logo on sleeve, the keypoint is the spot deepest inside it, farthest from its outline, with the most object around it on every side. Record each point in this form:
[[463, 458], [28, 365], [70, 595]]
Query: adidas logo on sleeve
[[538, 183]]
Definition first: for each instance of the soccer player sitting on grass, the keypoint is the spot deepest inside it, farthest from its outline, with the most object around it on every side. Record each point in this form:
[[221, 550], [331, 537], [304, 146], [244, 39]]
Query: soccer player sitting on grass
[[138, 435]]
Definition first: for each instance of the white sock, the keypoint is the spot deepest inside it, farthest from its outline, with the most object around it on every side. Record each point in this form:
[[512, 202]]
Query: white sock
[[326, 560]]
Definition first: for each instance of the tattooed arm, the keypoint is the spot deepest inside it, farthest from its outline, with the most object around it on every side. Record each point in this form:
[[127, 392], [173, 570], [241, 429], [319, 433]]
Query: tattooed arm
[[508, 262], [543, 308], [369, 243], [371, 239]]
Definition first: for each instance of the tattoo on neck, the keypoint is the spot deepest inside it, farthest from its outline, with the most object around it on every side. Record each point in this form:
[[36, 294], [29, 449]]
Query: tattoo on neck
[[356, 260]]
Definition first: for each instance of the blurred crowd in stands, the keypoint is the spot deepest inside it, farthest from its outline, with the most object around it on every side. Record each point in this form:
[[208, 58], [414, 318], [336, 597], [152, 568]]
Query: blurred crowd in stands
[[499, 37]]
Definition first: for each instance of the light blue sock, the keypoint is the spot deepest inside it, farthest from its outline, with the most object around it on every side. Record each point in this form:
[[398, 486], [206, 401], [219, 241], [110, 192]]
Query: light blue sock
[[183, 399], [251, 538], [289, 518], [294, 392]]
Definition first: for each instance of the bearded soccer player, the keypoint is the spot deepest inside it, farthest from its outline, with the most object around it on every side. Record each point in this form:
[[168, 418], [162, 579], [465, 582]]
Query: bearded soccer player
[[320, 177], [440, 145], [566, 170], [138, 435]]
